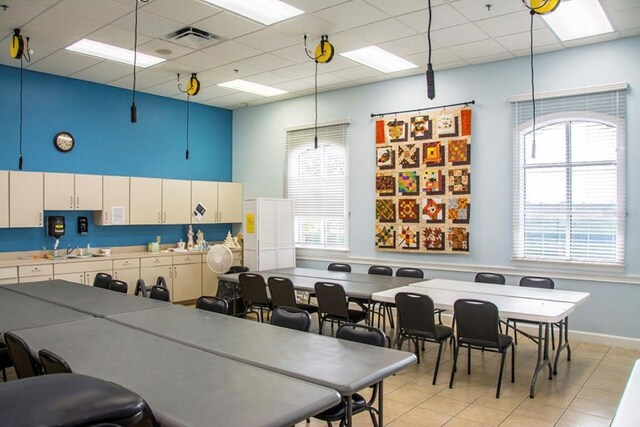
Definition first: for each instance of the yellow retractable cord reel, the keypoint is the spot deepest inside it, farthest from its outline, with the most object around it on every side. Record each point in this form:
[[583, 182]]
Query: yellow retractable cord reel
[[19, 49], [323, 54], [193, 88]]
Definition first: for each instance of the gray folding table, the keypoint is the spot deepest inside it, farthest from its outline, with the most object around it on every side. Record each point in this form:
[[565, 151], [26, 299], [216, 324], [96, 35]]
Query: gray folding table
[[19, 311], [342, 275], [87, 299], [184, 386], [341, 365]]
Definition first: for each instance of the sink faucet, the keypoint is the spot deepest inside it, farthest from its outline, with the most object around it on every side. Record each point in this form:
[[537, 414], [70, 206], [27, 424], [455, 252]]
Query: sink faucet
[[70, 251]]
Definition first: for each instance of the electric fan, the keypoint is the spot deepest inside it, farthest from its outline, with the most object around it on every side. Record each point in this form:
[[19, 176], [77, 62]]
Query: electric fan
[[219, 258]]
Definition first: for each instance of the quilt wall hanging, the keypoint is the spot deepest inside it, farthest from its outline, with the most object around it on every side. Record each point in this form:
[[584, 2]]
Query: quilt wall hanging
[[423, 182]]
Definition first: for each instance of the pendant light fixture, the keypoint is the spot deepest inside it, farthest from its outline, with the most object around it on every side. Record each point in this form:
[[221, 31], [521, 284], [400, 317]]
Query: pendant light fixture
[[19, 49], [431, 84], [323, 54], [134, 110], [536, 7], [193, 88]]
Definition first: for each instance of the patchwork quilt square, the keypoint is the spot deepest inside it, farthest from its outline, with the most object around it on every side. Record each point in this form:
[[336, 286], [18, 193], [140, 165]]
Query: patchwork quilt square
[[447, 125], [408, 183], [458, 239], [458, 211], [409, 237], [421, 128], [385, 185], [408, 156], [408, 210], [433, 210], [459, 152], [459, 181], [385, 210], [385, 236], [434, 239], [433, 181], [398, 130], [433, 154], [386, 158]]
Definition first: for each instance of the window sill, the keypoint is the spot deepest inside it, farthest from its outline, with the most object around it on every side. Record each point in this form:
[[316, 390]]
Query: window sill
[[315, 253], [569, 265]]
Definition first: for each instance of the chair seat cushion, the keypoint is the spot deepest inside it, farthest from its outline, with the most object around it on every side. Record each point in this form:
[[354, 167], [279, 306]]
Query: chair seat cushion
[[66, 399], [503, 341], [441, 332], [355, 316], [339, 411]]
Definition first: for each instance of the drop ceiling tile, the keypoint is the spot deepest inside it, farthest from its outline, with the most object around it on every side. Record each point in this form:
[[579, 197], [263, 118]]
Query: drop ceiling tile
[[438, 57], [618, 5], [351, 14], [266, 62], [46, 3], [491, 58], [408, 45], [40, 51], [169, 88], [337, 63], [268, 79], [56, 19], [173, 68], [20, 11], [201, 61], [591, 40], [268, 40], [477, 10], [184, 11], [64, 63], [236, 98], [304, 24], [104, 11], [117, 36], [477, 49], [357, 73], [294, 85], [228, 25], [346, 41], [444, 16], [314, 5], [324, 79], [295, 54], [629, 33], [232, 50], [235, 70], [144, 79], [626, 19], [509, 24], [103, 72], [214, 91], [538, 50], [296, 71], [149, 24], [154, 45], [383, 31], [541, 37], [46, 36], [396, 8], [460, 34], [208, 78]]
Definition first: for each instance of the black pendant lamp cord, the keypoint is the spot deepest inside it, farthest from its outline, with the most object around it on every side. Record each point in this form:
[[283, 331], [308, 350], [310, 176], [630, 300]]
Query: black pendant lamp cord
[[134, 110], [187, 153], [533, 90], [315, 127], [21, 79], [429, 33], [431, 85]]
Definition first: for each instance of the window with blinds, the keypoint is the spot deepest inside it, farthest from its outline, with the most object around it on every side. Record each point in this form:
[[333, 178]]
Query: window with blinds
[[316, 180], [569, 188]]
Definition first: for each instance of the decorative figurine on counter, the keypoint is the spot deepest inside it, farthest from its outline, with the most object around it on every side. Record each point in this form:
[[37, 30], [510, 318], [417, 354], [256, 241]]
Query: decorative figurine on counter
[[200, 239], [229, 242], [190, 238]]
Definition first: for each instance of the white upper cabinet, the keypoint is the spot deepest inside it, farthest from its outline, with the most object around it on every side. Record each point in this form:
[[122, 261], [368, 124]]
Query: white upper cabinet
[[4, 199], [222, 201], [229, 202], [67, 192], [206, 194], [176, 201], [26, 199], [115, 201], [88, 195], [145, 201]]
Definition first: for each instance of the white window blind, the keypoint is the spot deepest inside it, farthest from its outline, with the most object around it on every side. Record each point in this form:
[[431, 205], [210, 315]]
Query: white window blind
[[569, 188], [316, 179]]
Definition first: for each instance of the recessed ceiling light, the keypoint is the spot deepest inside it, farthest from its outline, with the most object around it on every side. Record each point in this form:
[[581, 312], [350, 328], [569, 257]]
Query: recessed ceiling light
[[113, 53], [265, 11], [577, 19], [379, 59], [164, 51], [251, 87]]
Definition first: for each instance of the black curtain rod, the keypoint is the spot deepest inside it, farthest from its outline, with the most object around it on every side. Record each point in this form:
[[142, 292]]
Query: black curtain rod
[[473, 101]]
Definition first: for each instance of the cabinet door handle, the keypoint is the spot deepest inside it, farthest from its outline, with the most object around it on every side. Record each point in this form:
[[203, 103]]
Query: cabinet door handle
[[170, 273], [159, 218], [165, 217], [175, 272], [71, 202], [106, 218], [40, 218], [78, 201]]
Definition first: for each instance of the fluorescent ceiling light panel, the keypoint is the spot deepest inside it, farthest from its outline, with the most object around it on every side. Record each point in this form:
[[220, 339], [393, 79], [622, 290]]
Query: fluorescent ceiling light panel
[[379, 59], [577, 19], [113, 53], [251, 87], [265, 11]]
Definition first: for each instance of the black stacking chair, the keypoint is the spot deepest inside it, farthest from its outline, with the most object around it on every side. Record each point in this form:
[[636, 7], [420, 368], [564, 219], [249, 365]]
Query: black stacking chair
[[52, 363], [102, 280], [5, 361], [71, 400], [291, 318], [283, 294], [532, 282], [478, 327], [214, 304], [333, 306], [254, 294], [141, 289], [410, 272], [364, 335], [160, 293], [24, 363], [416, 322], [118, 286], [160, 281], [381, 270], [495, 278], [338, 266]]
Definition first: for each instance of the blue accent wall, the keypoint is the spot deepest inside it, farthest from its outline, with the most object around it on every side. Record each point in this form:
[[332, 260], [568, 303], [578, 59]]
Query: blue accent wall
[[107, 143]]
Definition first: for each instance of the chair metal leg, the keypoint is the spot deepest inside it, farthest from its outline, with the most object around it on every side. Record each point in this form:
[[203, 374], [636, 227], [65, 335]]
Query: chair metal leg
[[513, 363], [435, 374], [455, 361], [468, 360], [417, 351], [503, 354], [320, 325]]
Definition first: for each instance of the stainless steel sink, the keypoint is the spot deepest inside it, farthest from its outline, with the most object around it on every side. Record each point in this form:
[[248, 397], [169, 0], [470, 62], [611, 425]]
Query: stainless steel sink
[[79, 256]]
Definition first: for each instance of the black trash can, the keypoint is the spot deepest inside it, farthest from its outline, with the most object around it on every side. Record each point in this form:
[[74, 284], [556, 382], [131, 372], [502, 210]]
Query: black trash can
[[230, 291]]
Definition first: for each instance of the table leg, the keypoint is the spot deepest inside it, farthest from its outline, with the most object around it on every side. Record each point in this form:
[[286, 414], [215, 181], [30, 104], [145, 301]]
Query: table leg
[[564, 327], [543, 356], [380, 404], [349, 422]]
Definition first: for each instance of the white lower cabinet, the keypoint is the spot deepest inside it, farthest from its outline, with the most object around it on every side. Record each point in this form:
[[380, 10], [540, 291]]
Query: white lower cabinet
[[35, 273], [152, 268], [8, 275], [127, 270], [82, 272], [187, 277]]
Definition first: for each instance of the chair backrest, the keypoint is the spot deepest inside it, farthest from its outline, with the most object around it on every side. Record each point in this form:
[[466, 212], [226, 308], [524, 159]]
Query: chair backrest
[[332, 299], [495, 278], [537, 282], [254, 289], [160, 293], [291, 318], [381, 270], [118, 286], [410, 272], [160, 281], [362, 334], [338, 266], [24, 363], [237, 269], [478, 321], [214, 304], [141, 288], [102, 280], [52, 363], [415, 312], [282, 292]]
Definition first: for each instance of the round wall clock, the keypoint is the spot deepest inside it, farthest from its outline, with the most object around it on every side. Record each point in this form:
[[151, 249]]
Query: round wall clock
[[63, 141]]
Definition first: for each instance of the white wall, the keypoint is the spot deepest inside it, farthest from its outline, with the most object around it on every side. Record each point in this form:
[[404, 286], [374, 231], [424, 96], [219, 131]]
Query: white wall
[[258, 150]]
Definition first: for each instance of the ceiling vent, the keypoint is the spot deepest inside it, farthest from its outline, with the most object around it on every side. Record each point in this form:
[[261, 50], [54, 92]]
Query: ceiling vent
[[194, 38]]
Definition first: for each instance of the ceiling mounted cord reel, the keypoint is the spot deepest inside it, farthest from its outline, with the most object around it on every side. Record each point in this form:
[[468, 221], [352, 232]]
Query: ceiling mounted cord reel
[[536, 7], [19, 49], [323, 54], [193, 88], [431, 84]]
